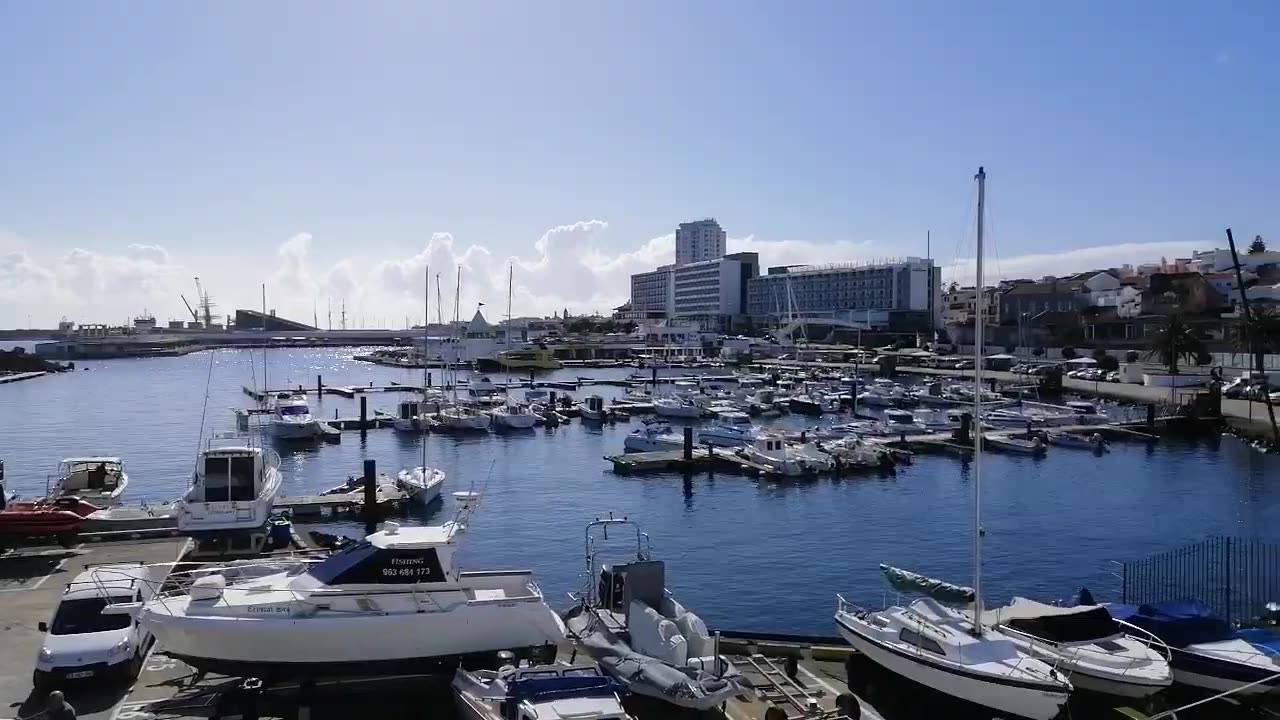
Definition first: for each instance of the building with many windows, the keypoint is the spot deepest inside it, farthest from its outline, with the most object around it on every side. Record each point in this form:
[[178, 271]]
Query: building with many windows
[[652, 293], [698, 241], [713, 291], [849, 291], [960, 305]]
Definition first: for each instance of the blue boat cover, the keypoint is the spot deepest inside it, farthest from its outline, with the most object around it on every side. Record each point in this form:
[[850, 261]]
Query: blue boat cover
[[1178, 623], [546, 689]]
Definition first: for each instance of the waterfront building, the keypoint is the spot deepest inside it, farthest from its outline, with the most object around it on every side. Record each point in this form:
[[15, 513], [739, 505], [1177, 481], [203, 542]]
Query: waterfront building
[[699, 240], [905, 294], [652, 294], [713, 292], [959, 305]]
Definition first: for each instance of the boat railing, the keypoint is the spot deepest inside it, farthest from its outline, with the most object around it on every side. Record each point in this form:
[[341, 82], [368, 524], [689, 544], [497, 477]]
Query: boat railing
[[1147, 637]]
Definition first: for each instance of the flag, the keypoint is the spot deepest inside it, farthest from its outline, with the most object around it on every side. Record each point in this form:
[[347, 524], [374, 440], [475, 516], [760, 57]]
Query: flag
[[479, 304]]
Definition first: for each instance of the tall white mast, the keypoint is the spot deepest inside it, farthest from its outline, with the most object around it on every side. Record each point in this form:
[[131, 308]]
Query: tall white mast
[[426, 322], [978, 322], [507, 364]]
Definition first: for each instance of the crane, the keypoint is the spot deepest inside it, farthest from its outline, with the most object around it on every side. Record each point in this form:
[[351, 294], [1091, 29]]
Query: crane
[[202, 302], [194, 316]]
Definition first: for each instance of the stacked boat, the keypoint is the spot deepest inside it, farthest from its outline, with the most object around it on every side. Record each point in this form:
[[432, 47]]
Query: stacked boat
[[99, 480]]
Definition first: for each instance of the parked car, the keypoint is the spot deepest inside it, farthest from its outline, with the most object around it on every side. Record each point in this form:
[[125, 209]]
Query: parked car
[[964, 365], [84, 643], [1113, 376]]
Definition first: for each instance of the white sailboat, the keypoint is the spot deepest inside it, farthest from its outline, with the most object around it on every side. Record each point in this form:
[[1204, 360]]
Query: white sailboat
[[423, 483], [938, 646], [463, 415], [511, 415], [414, 415]]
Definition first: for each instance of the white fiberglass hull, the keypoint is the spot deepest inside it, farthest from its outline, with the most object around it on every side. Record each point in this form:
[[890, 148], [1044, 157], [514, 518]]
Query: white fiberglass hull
[[202, 517], [411, 425], [465, 422], [636, 443], [1026, 701], [423, 484], [514, 421], [272, 645], [680, 411], [282, 430]]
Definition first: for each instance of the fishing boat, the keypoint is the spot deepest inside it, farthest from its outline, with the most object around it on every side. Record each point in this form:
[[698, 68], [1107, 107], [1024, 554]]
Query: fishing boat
[[538, 692], [628, 622], [422, 483], [95, 479], [393, 603], [652, 436], [1207, 653], [232, 489], [1085, 642], [773, 452], [936, 645], [591, 409], [291, 419], [677, 407]]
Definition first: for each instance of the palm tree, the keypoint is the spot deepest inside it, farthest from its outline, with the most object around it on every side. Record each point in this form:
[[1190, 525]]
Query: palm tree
[[1175, 340], [1257, 332]]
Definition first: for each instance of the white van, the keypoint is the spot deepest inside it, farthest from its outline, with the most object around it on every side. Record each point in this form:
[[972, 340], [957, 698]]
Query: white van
[[82, 642]]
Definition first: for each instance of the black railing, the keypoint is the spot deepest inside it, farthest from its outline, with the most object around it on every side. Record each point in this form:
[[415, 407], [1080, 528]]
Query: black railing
[[1236, 577]]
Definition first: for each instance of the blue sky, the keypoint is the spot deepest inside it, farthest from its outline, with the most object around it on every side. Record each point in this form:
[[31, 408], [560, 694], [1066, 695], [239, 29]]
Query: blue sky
[[320, 147]]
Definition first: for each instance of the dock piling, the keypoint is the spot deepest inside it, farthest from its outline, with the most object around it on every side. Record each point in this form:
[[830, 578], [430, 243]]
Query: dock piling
[[364, 413], [370, 493], [319, 386], [688, 444], [1151, 417]]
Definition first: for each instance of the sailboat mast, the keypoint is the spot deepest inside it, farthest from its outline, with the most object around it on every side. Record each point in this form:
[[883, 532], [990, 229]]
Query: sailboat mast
[[266, 387], [978, 341], [426, 322], [507, 364]]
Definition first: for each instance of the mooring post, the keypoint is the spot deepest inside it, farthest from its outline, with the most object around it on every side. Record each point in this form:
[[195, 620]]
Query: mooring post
[[688, 444], [370, 497], [1151, 416], [319, 386], [654, 381], [364, 413]]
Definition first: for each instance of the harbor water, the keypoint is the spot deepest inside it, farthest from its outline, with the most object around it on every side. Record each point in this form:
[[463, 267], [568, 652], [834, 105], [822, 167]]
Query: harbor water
[[748, 554]]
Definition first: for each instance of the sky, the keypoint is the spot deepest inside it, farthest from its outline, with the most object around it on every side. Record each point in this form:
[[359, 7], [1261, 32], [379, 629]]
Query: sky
[[333, 151]]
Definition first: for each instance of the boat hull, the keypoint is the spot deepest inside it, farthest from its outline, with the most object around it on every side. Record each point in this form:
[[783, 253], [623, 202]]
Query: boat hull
[[1218, 675], [1022, 700], [294, 431], [516, 421]]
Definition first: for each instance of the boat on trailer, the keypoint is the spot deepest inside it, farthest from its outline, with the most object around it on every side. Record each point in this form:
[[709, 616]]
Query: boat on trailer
[[539, 692], [95, 479]]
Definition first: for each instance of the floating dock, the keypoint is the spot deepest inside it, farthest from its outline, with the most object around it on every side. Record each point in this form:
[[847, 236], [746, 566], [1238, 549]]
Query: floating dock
[[16, 377]]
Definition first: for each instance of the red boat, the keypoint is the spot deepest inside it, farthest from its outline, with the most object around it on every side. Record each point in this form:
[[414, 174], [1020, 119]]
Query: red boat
[[42, 518]]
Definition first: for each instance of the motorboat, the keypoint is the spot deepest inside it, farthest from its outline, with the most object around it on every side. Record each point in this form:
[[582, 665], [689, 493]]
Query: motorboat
[[1084, 642], [232, 489], [96, 479], [1094, 442], [936, 645], [677, 407], [291, 419], [422, 483], [877, 397], [941, 420], [538, 692], [391, 603], [513, 416], [592, 409], [898, 422], [482, 391], [1016, 446], [853, 451], [652, 436], [529, 359], [1082, 407], [763, 401], [773, 452], [57, 517], [415, 415], [628, 622], [1207, 653], [733, 428], [805, 404], [464, 416]]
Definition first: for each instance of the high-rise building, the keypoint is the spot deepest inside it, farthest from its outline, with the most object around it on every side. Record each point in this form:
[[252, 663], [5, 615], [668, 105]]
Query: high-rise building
[[698, 241], [713, 291], [850, 291]]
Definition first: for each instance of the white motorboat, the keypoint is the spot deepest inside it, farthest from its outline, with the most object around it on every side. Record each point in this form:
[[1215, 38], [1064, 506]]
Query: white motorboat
[[773, 452], [483, 392], [652, 436], [1088, 645], [291, 419], [941, 420], [1017, 446], [95, 479], [1094, 442], [232, 489], [592, 409], [938, 646], [853, 451], [422, 483], [876, 397], [898, 422], [1207, 653], [513, 416], [630, 624], [392, 603], [677, 407], [733, 428], [415, 416], [464, 416], [538, 692]]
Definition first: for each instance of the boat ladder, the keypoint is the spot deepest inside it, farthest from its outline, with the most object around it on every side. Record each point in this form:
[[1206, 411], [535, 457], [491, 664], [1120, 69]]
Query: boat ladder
[[787, 694]]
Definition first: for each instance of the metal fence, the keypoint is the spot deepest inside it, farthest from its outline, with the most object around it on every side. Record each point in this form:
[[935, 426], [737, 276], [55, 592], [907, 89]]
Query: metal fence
[[1236, 577]]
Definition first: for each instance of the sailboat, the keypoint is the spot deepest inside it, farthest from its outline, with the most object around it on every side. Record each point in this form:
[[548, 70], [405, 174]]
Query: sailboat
[[423, 482], [933, 643], [459, 415], [511, 415]]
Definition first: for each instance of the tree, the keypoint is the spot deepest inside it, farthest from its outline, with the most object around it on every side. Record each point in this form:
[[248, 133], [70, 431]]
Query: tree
[[1068, 352], [1258, 332], [1098, 354], [1108, 363], [1176, 340], [1131, 356], [1257, 246], [1038, 352]]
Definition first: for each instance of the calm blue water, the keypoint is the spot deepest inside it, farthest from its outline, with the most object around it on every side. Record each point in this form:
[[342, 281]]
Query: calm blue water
[[747, 554]]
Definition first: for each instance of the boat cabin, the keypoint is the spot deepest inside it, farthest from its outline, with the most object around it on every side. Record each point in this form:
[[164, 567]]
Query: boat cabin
[[410, 409], [733, 417], [536, 694], [1082, 407], [594, 403], [899, 417], [482, 389], [770, 444], [98, 475], [394, 555], [231, 474]]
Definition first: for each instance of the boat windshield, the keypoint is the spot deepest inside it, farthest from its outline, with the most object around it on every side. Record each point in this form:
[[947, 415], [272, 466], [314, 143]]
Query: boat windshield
[[75, 617], [294, 410]]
